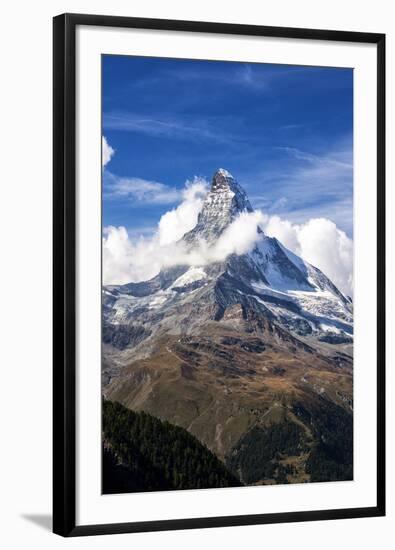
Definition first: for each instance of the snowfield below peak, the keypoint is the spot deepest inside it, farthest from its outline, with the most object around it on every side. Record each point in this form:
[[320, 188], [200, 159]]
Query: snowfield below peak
[[191, 276]]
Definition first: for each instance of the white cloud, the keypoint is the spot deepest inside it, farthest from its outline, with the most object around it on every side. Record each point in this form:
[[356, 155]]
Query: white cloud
[[107, 152], [284, 231], [321, 243], [239, 237], [125, 261], [328, 248], [318, 241], [175, 223]]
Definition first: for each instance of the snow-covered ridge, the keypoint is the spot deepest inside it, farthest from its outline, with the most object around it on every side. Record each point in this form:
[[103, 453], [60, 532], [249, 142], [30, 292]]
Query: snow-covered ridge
[[269, 278]]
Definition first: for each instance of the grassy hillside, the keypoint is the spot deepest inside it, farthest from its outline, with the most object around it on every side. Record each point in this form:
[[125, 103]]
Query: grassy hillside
[[142, 453], [216, 388]]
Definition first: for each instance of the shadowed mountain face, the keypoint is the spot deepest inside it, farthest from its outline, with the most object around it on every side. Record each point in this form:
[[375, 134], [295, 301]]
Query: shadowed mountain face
[[253, 349]]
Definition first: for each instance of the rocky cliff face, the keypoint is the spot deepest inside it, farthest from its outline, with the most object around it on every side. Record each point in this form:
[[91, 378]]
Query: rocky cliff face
[[224, 347], [224, 202]]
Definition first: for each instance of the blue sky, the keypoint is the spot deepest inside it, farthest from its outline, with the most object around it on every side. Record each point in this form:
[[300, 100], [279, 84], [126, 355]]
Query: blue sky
[[284, 132]]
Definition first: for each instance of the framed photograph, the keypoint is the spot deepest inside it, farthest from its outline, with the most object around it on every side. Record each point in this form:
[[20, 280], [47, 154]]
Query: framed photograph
[[219, 275]]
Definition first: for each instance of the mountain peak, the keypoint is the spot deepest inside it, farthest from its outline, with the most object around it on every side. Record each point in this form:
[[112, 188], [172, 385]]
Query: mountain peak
[[225, 200], [224, 181], [222, 175]]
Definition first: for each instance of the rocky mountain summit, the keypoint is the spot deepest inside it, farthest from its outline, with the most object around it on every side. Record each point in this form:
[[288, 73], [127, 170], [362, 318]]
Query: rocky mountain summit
[[225, 201], [233, 349]]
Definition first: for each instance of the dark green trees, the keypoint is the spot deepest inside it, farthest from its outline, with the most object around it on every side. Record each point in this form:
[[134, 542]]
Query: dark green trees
[[142, 453]]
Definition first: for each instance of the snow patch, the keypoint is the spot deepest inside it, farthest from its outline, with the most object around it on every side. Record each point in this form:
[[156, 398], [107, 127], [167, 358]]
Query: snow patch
[[224, 173], [193, 274], [330, 328]]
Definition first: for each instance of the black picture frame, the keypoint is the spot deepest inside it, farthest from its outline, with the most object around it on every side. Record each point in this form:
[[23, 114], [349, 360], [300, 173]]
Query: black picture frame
[[64, 273]]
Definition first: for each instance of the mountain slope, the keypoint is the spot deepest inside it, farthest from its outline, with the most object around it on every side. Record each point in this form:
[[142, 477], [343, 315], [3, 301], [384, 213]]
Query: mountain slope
[[134, 462], [231, 345]]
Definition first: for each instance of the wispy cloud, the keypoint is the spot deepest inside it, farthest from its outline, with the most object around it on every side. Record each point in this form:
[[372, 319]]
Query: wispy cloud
[[252, 79], [340, 159], [301, 185], [240, 75], [286, 127], [253, 76], [146, 124], [185, 127], [138, 189]]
